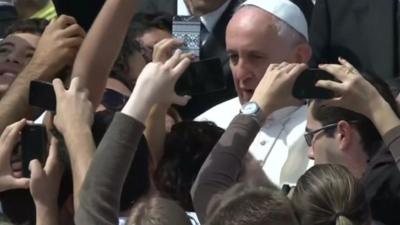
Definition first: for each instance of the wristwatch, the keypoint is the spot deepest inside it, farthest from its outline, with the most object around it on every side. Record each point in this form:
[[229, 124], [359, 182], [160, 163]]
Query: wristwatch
[[252, 109]]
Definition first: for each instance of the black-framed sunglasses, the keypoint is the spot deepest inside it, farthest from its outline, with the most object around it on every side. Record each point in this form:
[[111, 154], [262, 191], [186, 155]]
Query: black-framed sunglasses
[[309, 136], [113, 100]]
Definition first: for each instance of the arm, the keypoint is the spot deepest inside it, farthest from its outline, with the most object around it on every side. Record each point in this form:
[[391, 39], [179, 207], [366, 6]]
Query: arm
[[155, 132], [45, 185], [99, 200], [101, 46], [221, 169], [74, 119], [57, 47]]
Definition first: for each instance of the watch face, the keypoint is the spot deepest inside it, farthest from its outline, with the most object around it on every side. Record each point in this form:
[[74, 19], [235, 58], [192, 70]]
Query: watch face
[[250, 108]]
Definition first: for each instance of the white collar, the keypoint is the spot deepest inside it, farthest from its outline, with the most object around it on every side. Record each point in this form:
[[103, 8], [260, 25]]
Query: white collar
[[210, 19], [280, 115]]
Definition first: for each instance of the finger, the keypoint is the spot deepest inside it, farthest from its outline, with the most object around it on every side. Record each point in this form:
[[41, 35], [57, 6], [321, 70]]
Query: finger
[[73, 30], [180, 68], [180, 100], [12, 138], [345, 63], [174, 60], [289, 67], [297, 69], [17, 174], [74, 42], [337, 71], [64, 21], [74, 85], [36, 170], [58, 88], [282, 65], [336, 87], [272, 66], [52, 160], [188, 55]]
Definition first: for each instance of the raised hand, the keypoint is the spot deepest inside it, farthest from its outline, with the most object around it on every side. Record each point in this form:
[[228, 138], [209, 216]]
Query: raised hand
[[59, 44], [156, 85], [45, 181], [8, 140], [74, 110], [275, 89]]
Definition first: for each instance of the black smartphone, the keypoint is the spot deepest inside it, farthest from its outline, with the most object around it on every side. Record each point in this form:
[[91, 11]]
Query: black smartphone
[[202, 77], [187, 28], [42, 95], [33, 145], [304, 86]]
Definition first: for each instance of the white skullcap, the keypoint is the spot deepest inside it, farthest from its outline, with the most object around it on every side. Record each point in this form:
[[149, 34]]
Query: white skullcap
[[285, 10]]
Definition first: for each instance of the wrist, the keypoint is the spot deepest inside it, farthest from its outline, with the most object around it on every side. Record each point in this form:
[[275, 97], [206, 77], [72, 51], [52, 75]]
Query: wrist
[[137, 108], [382, 116]]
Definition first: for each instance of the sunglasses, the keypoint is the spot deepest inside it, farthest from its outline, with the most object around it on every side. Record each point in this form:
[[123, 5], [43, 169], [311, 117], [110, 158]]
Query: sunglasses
[[309, 136], [113, 100]]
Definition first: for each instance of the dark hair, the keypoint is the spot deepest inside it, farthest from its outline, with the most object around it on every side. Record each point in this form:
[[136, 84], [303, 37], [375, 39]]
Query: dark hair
[[245, 204], [144, 22], [370, 136], [121, 68], [137, 182], [186, 148], [18, 206], [158, 211], [33, 26], [329, 194]]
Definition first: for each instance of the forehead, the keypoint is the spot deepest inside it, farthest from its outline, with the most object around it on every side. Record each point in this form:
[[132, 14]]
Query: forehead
[[253, 28], [21, 40], [154, 35]]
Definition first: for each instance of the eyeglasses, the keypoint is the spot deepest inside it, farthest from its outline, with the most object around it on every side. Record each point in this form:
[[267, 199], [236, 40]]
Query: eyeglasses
[[309, 136], [113, 100]]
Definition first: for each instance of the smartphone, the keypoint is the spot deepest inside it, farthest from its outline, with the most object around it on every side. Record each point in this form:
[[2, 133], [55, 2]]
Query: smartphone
[[42, 95], [33, 145], [202, 77], [304, 86], [187, 28]]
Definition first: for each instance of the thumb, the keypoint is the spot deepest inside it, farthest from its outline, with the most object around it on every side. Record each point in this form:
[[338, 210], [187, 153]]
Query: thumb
[[36, 170], [180, 100], [20, 183]]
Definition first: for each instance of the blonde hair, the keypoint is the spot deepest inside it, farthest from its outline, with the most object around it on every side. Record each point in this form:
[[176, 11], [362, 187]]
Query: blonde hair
[[330, 195]]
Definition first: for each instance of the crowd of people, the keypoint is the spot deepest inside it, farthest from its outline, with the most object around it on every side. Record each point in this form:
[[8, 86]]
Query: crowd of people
[[122, 147]]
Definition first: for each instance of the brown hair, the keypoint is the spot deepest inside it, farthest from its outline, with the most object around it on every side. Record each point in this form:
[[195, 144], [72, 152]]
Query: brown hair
[[247, 204], [330, 195], [158, 211]]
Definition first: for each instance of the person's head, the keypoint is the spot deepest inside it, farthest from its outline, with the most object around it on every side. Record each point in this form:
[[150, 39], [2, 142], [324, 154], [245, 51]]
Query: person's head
[[158, 211], [340, 136], [258, 35], [186, 148], [17, 49], [245, 204], [202, 7], [330, 195], [149, 29]]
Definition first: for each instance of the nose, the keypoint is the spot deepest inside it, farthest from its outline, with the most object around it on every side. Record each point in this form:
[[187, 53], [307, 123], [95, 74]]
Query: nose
[[242, 70], [310, 153], [14, 57]]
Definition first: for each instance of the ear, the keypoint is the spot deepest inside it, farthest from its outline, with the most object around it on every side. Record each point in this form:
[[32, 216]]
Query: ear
[[344, 135], [303, 53]]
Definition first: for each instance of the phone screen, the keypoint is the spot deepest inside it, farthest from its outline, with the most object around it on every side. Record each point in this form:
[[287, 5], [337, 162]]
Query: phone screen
[[304, 86], [187, 28], [202, 77], [33, 145], [42, 95]]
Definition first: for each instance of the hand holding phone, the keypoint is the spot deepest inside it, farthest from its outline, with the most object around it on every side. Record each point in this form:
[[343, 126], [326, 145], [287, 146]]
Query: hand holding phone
[[33, 145], [304, 86]]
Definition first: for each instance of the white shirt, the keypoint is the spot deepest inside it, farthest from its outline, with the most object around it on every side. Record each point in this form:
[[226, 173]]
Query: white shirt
[[279, 146], [210, 19]]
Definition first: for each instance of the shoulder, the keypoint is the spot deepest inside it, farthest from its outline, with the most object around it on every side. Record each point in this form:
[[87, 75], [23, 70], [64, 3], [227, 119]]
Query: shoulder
[[221, 114]]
